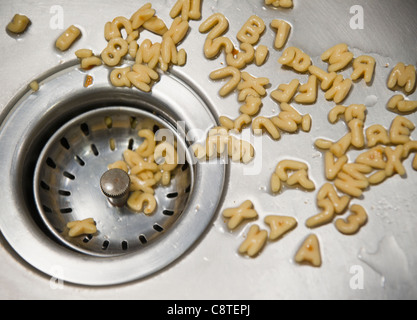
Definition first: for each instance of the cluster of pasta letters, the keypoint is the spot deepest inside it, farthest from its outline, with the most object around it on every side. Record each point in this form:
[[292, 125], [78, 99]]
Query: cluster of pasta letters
[[404, 77], [251, 91], [220, 142], [148, 166], [147, 56], [88, 60], [383, 155], [250, 88], [385, 148], [256, 238], [336, 87], [299, 176]]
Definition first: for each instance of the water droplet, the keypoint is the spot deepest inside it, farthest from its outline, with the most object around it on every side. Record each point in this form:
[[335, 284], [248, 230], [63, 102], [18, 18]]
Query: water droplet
[[221, 228], [317, 155], [370, 101]]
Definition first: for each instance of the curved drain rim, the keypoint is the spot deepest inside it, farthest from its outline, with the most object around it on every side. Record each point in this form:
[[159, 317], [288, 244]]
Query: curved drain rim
[[49, 257]]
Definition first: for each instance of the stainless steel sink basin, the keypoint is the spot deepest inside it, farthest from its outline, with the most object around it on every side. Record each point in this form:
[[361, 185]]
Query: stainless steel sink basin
[[196, 257]]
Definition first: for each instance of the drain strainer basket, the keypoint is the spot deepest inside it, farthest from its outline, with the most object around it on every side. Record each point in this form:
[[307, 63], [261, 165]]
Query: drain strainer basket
[[57, 144], [67, 182]]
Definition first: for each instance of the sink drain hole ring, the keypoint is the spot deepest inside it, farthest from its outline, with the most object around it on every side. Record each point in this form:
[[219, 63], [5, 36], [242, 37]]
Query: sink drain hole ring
[[32, 119]]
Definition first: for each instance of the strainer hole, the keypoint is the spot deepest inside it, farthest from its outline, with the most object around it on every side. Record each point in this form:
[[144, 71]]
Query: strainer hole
[[143, 239], [168, 213], [87, 238], [124, 245], [131, 142], [95, 150], [158, 228], [44, 186], [80, 161], [64, 193], [66, 210], [69, 175], [172, 195], [188, 190], [85, 129], [65, 143], [185, 166], [51, 163], [105, 245], [47, 209]]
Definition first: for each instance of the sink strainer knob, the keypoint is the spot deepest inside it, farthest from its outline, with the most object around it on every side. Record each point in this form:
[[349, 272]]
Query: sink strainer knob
[[115, 185]]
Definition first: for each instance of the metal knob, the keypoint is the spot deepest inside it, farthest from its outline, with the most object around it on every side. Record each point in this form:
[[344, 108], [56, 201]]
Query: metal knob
[[115, 185]]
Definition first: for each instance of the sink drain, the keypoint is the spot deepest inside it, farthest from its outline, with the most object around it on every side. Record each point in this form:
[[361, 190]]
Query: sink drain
[[56, 145], [67, 182]]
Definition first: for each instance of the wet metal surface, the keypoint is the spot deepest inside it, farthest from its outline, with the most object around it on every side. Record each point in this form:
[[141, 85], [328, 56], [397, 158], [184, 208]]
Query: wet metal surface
[[379, 262]]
